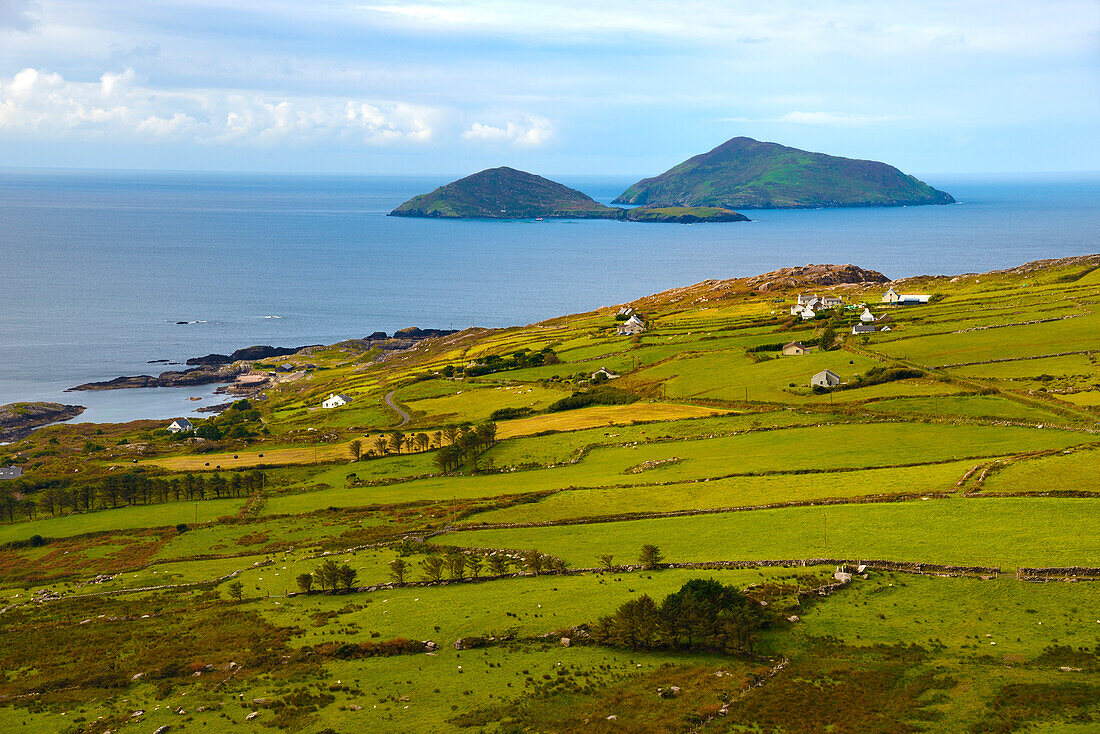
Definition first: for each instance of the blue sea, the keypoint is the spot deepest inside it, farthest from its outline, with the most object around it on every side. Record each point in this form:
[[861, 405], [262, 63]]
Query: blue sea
[[97, 269]]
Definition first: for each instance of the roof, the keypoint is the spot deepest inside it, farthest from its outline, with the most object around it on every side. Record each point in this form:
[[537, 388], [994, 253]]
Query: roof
[[341, 396], [826, 373], [10, 472], [862, 328]]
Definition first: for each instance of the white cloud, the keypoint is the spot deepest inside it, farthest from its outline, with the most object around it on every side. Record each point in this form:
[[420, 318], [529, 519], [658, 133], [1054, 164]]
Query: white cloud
[[41, 104], [529, 131]]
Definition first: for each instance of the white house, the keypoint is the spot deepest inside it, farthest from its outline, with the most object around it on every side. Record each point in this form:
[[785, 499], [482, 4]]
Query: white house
[[794, 349], [633, 325], [608, 374], [866, 317], [335, 400], [807, 313], [832, 301], [863, 329], [825, 378], [10, 472], [626, 310], [796, 309], [180, 424], [804, 300], [892, 296]]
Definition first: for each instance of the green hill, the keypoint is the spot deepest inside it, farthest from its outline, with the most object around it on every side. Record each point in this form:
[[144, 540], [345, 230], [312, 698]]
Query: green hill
[[505, 193], [743, 173]]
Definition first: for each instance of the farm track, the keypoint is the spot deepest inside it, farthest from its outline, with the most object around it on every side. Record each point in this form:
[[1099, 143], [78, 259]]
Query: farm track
[[405, 417]]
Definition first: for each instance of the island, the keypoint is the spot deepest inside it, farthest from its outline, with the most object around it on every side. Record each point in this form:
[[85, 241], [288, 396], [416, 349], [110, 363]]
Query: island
[[506, 193], [743, 173]]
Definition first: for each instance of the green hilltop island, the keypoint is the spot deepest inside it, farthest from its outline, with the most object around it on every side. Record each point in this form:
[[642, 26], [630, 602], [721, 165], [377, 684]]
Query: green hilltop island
[[505, 193], [743, 173]]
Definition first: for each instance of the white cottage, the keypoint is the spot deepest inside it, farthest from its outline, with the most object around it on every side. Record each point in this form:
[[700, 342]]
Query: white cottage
[[180, 424], [825, 378], [335, 400], [866, 317], [633, 325]]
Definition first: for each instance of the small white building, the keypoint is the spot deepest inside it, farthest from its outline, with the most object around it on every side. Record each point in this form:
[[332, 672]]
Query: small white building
[[335, 400], [831, 301], [804, 300], [892, 296], [863, 329], [633, 325], [866, 317], [796, 309], [626, 310], [608, 374], [180, 424], [825, 378], [794, 349], [807, 313], [10, 472]]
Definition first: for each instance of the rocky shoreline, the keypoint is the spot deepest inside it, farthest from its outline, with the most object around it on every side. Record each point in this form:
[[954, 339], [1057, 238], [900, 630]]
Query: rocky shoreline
[[17, 420], [186, 378]]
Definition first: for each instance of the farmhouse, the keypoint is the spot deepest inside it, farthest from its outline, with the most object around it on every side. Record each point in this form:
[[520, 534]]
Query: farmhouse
[[607, 374], [807, 313], [631, 326], [180, 424], [825, 378], [10, 472], [626, 311], [832, 301], [805, 300], [892, 296], [794, 349], [863, 329], [866, 317], [335, 400]]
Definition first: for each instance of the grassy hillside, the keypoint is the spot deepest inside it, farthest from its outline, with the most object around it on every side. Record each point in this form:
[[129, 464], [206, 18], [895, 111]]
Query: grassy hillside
[[150, 579]]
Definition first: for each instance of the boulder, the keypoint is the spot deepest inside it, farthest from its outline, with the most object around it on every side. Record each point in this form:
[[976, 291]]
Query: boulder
[[565, 641], [252, 716], [842, 577]]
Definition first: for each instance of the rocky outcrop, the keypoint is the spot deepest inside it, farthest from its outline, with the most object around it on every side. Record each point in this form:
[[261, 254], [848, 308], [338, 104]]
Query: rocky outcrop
[[815, 275], [186, 378], [17, 420], [248, 353]]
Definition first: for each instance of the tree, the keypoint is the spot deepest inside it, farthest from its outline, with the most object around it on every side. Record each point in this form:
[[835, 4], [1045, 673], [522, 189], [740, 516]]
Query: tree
[[328, 574], [499, 564], [381, 444], [397, 440], [346, 575], [433, 568], [356, 449], [605, 560], [651, 557], [456, 565], [451, 434], [438, 438], [828, 336], [474, 563], [305, 582], [422, 441], [236, 590], [398, 569], [534, 561]]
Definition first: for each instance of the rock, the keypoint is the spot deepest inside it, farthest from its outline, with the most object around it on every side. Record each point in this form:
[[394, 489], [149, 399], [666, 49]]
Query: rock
[[137, 676], [163, 729], [17, 420], [194, 376], [565, 642], [430, 646], [459, 644], [861, 568], [252, 716], [355, 707], [137, 713], [794, 618], [842, 577], [613, 717]]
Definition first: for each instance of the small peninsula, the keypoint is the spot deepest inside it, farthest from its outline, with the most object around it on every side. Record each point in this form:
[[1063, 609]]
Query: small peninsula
[[743, 173], [17, 420], [505, 193]]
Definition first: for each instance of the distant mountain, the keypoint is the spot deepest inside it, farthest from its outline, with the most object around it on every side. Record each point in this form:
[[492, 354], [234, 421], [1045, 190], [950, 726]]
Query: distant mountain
[[743, 173], [505, 193]]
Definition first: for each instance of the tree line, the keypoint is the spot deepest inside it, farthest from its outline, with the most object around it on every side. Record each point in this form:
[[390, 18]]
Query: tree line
[[126, 489]]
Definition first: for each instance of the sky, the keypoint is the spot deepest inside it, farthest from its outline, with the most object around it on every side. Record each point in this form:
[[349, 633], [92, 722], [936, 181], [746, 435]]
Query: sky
[[615, 87]]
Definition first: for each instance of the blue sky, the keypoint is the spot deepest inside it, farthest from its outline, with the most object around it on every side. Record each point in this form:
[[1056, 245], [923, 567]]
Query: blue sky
[[616, 87]]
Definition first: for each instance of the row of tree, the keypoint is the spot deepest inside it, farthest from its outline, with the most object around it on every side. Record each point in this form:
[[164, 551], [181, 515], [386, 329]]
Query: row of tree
[[703, 614], [330, 575], [458, 565], [123, 489], [466, 444]]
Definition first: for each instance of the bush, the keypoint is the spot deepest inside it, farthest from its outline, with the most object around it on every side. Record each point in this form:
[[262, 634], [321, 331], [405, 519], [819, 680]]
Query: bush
[[602, 395], [503, 414]]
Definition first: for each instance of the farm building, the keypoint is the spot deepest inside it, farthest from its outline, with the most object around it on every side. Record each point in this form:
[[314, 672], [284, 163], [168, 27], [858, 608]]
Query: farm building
[[10, 472], [825, 378], [633, 325], [892, 296], [794, 349], [335, 400], [180, 424], [606, 373], [863, 329], [805, 300], [831, 301], [866, 317]]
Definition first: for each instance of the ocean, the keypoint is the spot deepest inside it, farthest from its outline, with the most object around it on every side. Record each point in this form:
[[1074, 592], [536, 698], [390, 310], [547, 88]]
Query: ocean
[[99, 269]]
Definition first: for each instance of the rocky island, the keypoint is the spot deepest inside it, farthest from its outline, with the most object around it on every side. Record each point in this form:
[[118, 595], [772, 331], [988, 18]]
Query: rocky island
[[743, 173], [505, 193], [17, 420]]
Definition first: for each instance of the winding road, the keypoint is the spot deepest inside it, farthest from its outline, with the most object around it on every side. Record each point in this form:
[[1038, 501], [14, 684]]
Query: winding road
[[405, 417]]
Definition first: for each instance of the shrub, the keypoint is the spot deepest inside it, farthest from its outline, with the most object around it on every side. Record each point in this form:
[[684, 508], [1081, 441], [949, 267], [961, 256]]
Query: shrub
[[603, 395]]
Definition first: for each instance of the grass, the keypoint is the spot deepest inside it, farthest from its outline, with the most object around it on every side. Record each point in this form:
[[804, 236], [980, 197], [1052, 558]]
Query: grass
[[1006, 532], [967, 406], [734, 492], [601, 416], [1071, 472]]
